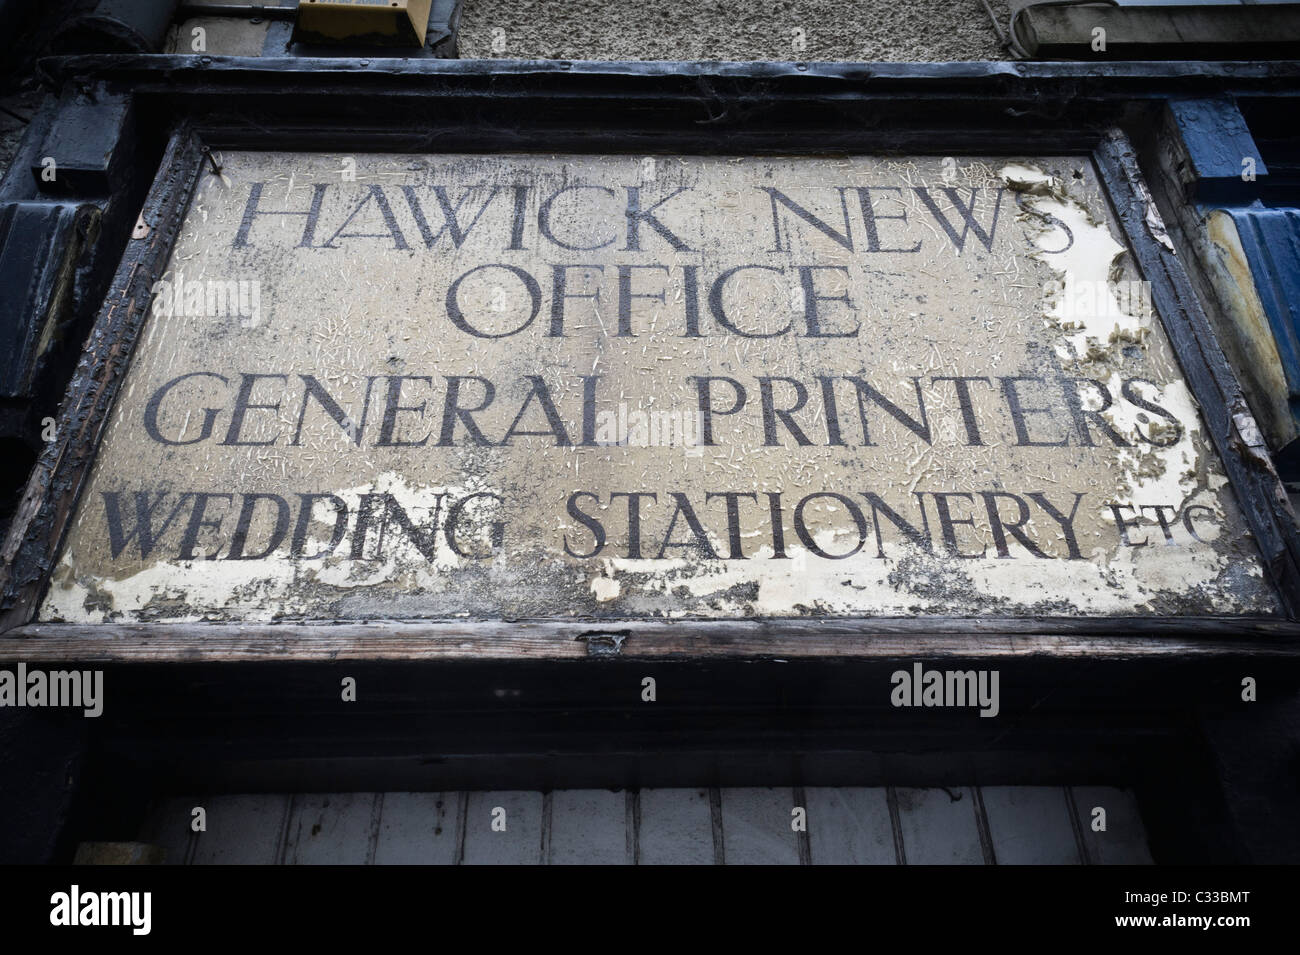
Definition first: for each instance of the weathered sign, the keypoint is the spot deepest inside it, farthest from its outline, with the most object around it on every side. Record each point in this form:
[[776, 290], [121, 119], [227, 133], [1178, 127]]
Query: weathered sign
[[517, 386]]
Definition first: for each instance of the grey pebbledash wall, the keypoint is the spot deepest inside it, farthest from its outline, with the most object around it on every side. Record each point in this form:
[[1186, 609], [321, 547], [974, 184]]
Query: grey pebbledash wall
[[865, 30]]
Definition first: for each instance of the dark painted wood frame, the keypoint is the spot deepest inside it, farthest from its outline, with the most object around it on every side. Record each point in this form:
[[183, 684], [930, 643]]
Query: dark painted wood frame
[[51, 497], [524, 704]]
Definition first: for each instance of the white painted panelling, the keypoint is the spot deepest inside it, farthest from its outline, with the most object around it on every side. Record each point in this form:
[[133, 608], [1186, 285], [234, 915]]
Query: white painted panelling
[[676, 827], [1124, 842], [520, 844], [242, 830], [849, 826], [1030, 825], [756, 827], [330, 829], [589, 827], [1026, 825], [938, 830], [418, 829]]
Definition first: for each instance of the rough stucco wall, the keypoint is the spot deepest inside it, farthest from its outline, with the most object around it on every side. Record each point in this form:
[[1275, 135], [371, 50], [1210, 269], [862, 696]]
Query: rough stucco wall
[[918, 30]]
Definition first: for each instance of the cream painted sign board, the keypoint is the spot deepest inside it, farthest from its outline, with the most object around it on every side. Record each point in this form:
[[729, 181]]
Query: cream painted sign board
[[536, 386]]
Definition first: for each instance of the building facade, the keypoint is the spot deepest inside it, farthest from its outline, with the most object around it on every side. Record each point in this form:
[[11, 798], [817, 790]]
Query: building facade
[[525, 432]]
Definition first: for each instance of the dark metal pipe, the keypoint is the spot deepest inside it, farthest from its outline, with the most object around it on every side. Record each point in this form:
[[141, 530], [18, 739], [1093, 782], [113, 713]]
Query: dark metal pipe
[[118, 26]]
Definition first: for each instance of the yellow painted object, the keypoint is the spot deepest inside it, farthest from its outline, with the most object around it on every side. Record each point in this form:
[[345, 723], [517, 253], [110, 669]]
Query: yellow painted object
[[362, 22], [1248, 338]]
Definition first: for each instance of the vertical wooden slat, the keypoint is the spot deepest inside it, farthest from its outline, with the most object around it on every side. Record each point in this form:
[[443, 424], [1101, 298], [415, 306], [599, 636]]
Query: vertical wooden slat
[[715, 818], [1030, 825], [938, 829], [282, 838], [418, 829], [1124, 842], [588, 827], [756, 826], [801, 835], [1080, 842], [548, 804], [462, 812], [632, 807], [376, 817], [848, 826], [677, 827], [896, 824], [520, 844], [330, 829], [982, 827], [242, 830]]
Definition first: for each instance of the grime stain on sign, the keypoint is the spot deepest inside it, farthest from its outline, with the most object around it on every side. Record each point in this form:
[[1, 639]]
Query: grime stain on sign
[[525, 386]]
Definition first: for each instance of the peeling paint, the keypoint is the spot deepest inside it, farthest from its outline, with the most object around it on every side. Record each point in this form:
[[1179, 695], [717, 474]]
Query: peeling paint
[[359, 315]]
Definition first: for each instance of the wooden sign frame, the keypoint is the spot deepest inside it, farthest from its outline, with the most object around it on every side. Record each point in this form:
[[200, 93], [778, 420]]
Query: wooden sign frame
[[52, 494]]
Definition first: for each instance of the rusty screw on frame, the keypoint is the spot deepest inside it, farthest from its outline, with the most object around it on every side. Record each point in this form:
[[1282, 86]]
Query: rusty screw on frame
[[215, 168]]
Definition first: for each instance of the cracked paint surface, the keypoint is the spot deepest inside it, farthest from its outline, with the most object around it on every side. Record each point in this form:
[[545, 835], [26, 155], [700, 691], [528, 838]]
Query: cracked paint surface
[[942, 268]]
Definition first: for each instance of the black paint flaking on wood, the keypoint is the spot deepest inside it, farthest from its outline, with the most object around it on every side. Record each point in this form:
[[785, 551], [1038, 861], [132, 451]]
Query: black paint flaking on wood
[[1259, 491], [53, 491], [385, 104]]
